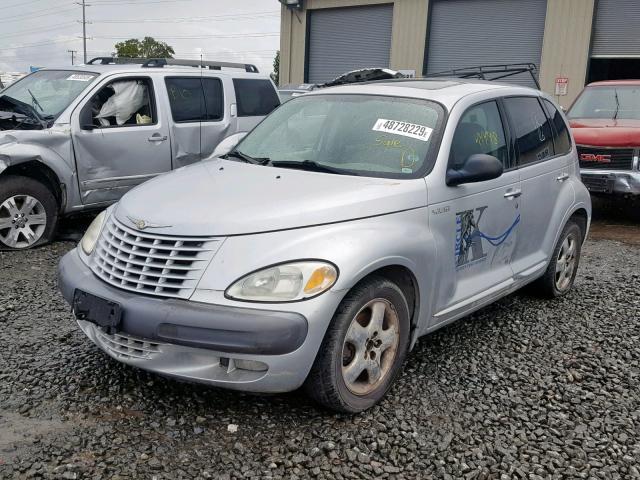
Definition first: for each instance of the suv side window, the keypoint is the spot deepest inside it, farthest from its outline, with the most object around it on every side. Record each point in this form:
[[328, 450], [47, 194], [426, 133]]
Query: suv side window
[[194, 99], [532, 129], [255, 97], [127, 102], [480, 131], [186, 98], [561, 138]]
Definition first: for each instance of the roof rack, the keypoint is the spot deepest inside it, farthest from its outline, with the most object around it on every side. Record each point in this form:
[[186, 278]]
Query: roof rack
[[162, 62], [496, 72]]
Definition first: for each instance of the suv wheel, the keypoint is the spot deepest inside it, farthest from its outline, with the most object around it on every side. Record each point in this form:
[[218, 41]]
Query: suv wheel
[[562, 269], [28, 213], [363, 349]]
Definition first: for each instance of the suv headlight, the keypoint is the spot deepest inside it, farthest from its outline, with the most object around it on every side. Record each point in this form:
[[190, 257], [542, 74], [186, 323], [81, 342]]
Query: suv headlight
[[287, 282], [88, 242]]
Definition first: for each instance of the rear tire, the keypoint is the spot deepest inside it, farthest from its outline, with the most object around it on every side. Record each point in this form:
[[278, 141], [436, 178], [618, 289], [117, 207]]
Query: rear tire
[[363, 349], [562, 269], [28, 213]]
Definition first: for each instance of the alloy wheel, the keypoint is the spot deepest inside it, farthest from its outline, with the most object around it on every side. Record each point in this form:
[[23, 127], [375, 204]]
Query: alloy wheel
[[566, 262], [370, 346], [23, 221]]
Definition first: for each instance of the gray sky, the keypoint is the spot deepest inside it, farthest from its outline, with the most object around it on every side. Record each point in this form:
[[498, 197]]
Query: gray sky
[[39, 32]]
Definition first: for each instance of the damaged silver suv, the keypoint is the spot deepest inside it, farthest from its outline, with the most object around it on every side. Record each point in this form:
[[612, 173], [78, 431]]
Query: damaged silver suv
[[79, 138], [347, 224]]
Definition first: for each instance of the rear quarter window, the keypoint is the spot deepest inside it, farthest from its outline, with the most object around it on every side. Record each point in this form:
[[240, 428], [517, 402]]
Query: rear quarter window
[[255, 97]]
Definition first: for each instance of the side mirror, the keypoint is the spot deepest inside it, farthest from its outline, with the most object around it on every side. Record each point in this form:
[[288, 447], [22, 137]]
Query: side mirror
[[228, 144], [477, 168]]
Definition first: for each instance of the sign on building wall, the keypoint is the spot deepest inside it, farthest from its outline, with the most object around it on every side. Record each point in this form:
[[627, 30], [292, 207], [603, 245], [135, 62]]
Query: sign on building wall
[[562, 83]]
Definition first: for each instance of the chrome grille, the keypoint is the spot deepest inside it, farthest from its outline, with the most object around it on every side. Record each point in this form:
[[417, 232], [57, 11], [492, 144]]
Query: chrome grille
[[157, 265], [605, 158], [126, 346]]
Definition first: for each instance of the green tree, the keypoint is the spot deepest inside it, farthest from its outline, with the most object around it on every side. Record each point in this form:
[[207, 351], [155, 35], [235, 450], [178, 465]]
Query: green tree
[[148, 47], [275, 76]]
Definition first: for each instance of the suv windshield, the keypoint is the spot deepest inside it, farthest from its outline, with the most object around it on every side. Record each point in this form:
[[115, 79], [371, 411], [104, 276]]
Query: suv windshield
[[366, 135], [45, 93], [619, 102]]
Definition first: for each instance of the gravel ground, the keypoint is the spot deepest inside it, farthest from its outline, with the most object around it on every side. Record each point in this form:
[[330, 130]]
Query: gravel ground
[[525, 388]]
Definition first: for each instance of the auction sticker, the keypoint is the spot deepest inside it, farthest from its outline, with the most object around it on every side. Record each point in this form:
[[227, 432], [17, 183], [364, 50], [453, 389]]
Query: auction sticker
[[406, 129], [79, 77]]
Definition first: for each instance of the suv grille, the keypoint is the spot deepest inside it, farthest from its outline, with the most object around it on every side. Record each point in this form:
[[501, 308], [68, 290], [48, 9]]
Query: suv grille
[[157, 265], [606, 158]]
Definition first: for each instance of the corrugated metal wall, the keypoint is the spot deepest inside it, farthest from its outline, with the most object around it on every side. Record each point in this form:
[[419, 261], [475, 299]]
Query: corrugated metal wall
[[617, 29], [467, 33], [343, 39]]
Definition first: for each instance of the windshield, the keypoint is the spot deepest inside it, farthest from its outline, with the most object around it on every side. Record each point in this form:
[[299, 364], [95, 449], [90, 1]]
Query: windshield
[[620, 102], [352, 134], [48, 92]]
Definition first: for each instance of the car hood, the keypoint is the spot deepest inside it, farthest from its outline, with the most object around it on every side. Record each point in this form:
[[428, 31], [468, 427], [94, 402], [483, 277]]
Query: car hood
[[601, 132], [220, 198]]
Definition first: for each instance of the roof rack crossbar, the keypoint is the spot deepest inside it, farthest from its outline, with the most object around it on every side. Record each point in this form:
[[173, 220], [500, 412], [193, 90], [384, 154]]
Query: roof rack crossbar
[[162, 62], [481, 71]]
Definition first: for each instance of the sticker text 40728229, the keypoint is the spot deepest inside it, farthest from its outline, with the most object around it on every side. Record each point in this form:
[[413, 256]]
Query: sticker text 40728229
[[406, 129]]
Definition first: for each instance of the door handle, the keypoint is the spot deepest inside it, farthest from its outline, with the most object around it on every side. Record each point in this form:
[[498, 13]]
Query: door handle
[[561, 178], [157, 138], [513, 194]]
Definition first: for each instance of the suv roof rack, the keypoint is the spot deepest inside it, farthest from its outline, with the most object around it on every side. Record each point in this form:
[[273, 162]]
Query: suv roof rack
[[162, 62], [496, 72]]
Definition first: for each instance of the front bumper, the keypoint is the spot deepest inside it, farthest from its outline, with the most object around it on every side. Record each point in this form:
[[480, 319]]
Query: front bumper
[[241, 348], [620, 182]]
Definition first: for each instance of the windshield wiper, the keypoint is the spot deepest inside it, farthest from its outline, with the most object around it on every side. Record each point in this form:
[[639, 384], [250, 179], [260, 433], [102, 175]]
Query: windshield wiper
[[35, 100], [27, 109], [615, 115], [309, 165], [247, 158]]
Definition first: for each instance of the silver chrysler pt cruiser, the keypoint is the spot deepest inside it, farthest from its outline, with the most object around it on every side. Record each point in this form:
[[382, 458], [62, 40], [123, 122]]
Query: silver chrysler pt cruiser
[[347, 224]]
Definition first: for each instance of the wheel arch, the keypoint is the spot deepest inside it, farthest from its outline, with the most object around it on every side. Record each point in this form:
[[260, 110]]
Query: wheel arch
[[581, 217], [42, 173], [404, 277]]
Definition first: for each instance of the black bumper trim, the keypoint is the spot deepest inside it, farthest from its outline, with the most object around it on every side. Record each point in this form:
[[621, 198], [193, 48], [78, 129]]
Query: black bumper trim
[[214, 327]]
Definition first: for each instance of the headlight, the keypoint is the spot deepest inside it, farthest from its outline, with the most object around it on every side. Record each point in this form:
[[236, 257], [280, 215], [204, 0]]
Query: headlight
[[285, 283], [90, 237]]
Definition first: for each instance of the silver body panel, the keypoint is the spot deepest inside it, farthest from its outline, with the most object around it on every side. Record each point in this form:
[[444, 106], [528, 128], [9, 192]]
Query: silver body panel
[[96, 167], [360, 224]]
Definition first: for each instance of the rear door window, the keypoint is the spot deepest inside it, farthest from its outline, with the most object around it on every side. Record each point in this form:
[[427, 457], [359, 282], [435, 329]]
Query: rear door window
[[255, 97], [214, 99], [186, 98], [561, 137], [532, 129]]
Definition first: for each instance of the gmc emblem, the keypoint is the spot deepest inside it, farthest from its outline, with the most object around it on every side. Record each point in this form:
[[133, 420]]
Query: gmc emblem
[[590, 157]]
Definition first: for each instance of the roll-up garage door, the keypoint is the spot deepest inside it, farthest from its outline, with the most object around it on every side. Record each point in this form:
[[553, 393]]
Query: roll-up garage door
[[343, 39], [617, 29], [469, 33]]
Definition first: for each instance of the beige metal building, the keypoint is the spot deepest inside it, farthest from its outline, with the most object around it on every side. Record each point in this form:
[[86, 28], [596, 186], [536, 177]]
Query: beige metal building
[[570, 41]]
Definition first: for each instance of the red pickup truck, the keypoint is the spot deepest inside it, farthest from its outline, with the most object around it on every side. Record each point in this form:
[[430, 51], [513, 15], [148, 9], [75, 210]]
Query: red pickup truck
[[605, 122]]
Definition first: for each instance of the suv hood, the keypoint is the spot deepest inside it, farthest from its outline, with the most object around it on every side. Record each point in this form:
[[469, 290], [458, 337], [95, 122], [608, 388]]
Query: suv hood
[[599, 132], [222, 197]]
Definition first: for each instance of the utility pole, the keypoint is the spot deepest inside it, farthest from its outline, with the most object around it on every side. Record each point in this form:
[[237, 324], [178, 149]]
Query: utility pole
[[72, 52], [84, 30]]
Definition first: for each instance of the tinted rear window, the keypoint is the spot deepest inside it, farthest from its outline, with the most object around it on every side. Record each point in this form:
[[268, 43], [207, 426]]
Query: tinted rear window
[[561, 136], [255, 97], [534, 139]]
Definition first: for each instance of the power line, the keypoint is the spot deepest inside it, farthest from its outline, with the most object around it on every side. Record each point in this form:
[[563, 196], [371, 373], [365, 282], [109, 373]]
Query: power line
[[39, 44], [37, 30], [41, 13], [178, 37], [21, 4], [239, 16]]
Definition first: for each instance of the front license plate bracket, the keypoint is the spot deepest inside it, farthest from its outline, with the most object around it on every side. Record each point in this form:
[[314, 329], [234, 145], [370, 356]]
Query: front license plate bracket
[[97, 310]]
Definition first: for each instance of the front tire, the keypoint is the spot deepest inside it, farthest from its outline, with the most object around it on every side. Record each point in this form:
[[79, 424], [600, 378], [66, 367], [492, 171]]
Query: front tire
[[28, 213], [363, 349], [563, 267]]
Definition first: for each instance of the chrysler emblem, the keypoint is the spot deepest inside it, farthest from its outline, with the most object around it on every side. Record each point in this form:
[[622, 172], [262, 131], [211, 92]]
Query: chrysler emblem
[[141, 224]]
